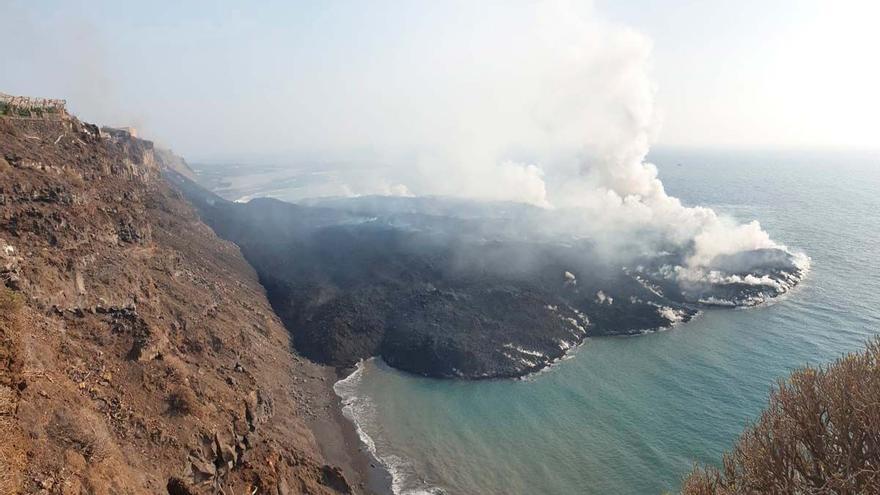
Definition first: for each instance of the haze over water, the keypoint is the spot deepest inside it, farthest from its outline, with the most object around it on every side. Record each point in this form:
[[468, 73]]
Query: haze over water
[[631, 415]]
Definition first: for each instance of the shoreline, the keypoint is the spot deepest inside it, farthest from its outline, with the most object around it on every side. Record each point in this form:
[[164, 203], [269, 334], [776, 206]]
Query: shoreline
[[339, 442]]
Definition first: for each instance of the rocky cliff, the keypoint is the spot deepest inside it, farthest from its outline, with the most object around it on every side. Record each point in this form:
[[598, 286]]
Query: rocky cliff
[[138, 352]]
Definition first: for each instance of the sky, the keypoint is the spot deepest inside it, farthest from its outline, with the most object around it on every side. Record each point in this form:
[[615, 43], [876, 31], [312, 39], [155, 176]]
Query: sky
[[229, 80], [763, 73]]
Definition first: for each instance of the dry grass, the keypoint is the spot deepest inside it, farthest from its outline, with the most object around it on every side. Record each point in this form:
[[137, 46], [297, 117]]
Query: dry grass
[[820, 434], [10, 303], [84, 433], [182, 401]]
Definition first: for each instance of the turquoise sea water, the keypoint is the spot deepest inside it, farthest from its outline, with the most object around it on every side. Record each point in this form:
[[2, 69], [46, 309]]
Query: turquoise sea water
[[631, 415]]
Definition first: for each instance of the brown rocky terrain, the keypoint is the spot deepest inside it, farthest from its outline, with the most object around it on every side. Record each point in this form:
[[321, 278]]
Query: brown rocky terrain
[[138, 353]]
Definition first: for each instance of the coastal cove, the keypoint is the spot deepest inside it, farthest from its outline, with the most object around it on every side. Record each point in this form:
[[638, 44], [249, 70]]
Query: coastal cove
[[632, 414]]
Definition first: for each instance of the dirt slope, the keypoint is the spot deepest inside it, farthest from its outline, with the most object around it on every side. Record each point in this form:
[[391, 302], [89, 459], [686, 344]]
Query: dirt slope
[[138, 353]]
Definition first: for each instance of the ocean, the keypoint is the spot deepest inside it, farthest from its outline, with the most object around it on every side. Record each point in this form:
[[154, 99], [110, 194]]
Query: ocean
[[631, 415]]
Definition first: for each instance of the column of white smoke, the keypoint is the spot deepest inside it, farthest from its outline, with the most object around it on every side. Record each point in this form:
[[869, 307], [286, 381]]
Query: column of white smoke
[[538, 102], [623, 191]]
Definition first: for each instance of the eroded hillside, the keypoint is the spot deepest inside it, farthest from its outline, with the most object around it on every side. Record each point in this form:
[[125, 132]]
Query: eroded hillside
[[138, 353]]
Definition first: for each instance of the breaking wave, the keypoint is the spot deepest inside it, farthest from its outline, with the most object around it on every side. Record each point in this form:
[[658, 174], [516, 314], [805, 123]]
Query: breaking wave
[[361, 411]]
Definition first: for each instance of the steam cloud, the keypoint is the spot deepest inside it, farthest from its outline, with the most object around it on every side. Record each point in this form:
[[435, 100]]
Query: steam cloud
[[545, 103], [560, 116]]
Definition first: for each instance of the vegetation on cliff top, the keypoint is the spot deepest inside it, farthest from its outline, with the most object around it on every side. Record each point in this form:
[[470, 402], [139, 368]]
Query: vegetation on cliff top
[[819, 434]]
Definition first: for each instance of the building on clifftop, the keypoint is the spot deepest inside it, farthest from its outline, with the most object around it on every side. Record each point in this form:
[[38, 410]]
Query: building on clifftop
[[31, 107]]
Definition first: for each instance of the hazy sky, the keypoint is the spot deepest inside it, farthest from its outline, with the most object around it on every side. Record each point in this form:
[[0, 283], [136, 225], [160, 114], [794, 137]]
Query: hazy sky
[[216, 80]]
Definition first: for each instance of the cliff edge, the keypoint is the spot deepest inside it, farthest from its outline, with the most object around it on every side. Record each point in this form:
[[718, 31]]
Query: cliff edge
[[138, 352]]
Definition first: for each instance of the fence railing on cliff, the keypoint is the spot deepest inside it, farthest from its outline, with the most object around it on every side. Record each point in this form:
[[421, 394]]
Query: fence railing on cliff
[[30, 107]]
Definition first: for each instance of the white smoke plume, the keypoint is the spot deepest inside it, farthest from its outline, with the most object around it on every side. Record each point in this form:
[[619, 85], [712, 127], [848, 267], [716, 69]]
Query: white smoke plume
[[540, 102], [561, 116]]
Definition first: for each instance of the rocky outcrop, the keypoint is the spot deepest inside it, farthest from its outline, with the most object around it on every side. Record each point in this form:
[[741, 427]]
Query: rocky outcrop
[[138, 353]]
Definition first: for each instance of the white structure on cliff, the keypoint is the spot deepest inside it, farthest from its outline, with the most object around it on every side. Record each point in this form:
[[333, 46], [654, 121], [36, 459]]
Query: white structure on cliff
[[27, 106]]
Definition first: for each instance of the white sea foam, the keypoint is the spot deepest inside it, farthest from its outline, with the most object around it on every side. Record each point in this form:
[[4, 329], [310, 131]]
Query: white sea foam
[[361, 411], [570, 352], [355, 407]]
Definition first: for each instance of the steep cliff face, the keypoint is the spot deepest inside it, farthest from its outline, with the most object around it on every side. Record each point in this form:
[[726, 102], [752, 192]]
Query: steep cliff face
[[170, 161], [138, 353]]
